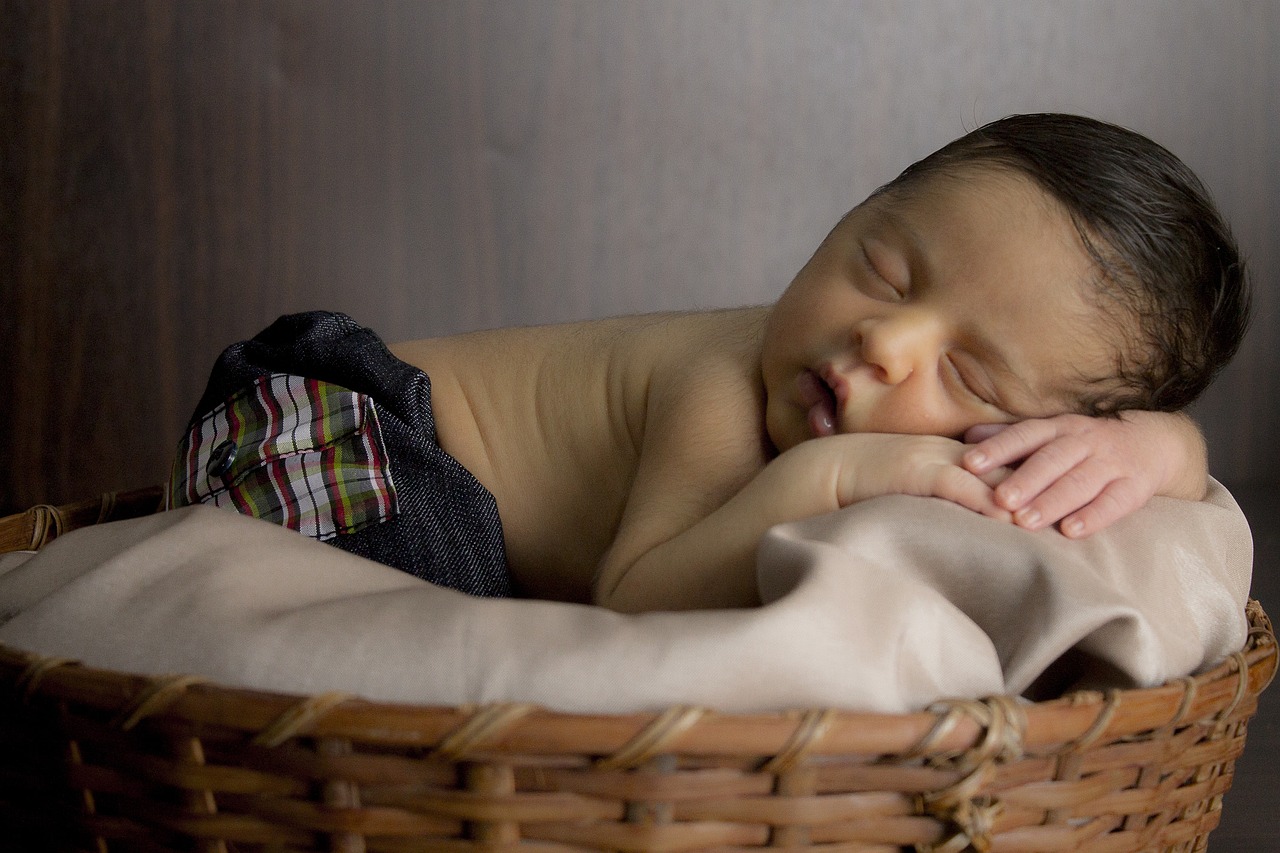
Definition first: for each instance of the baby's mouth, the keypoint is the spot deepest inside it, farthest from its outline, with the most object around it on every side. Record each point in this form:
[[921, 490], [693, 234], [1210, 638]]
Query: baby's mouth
[[820, 399]]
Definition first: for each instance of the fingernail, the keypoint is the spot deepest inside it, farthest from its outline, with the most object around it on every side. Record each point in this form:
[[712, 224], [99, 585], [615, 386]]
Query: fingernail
[[977, 458], [1027, 517], [1010, 497], [1074, 527]]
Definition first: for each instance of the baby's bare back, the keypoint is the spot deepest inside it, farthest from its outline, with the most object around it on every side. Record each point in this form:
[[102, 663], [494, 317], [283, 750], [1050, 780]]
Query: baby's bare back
[[552, 420]]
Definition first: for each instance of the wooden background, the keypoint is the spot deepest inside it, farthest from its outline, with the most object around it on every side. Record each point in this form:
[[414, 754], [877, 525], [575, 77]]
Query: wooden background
[[174, 175]]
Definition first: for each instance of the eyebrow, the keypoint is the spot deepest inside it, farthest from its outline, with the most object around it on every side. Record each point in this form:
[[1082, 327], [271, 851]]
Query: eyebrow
[[916, 244]]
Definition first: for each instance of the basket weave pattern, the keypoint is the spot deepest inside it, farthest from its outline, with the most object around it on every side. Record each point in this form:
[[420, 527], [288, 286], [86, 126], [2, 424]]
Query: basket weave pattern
[[102, 761]]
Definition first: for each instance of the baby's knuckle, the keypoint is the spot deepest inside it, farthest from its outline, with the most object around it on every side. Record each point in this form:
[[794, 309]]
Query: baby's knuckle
[[1127, 494], [1077, 481], [1026, 432], [1107, 505], [1057, 455]]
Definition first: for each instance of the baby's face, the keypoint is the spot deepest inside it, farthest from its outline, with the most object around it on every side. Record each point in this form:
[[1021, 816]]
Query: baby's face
[[961, 301]]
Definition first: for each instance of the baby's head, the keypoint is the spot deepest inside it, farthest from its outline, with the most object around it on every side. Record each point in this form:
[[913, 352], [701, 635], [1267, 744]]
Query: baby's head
[[1039, 265], [1169, 276]]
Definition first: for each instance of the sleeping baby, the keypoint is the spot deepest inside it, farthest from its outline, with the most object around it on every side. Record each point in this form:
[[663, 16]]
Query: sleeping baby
[[1012, 324]]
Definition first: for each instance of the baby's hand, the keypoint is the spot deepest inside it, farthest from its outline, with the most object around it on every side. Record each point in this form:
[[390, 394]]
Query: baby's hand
[[1087, 473], [874, 464]]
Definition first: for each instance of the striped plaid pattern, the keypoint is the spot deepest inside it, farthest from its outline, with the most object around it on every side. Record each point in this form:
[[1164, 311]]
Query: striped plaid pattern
[[305, 454]]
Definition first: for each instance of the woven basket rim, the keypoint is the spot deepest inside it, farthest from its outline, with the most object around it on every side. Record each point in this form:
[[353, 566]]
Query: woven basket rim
[[1068, 723]]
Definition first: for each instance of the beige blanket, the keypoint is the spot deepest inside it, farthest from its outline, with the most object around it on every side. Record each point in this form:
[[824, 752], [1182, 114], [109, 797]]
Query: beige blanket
[[885, 606]]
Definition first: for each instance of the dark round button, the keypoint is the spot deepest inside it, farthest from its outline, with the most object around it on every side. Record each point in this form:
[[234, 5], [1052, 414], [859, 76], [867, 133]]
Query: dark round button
[[221, 459]]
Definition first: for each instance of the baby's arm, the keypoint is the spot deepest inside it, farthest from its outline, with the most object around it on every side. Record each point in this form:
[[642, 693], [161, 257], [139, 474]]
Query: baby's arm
[[668, 555], [1089, 472]]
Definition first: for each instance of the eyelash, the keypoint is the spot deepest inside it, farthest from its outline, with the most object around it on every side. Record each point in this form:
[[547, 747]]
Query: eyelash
[[871, 268], [967, 386]]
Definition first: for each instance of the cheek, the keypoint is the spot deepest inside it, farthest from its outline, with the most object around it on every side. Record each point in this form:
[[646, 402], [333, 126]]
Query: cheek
[[790, 325], [921, 411], [963, 417], [784, 425], [817, 312], [816, 282]]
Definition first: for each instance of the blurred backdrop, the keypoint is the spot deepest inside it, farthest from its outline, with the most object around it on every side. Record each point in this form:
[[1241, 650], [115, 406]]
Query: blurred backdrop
[[175, 175]]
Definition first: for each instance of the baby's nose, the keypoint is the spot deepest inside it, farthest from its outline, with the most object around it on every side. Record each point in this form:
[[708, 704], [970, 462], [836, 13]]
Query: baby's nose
[[899, 345]]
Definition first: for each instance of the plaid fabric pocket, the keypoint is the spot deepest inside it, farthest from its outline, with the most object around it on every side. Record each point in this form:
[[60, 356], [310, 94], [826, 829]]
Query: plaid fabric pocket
[[298, 452]]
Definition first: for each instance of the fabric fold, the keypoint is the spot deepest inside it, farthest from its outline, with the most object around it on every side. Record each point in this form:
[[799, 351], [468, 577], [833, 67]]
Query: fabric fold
[[885, 606]]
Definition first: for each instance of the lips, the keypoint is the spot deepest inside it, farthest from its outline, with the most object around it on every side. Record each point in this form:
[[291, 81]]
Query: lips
[[818, 397]]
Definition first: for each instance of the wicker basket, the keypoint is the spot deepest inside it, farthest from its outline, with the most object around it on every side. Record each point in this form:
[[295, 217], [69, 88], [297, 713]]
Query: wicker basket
[[107, 761]]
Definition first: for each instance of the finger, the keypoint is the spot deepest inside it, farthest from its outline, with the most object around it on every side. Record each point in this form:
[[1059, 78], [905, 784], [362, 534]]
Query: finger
[[1041, 471], [1068, 494], [995, 477], [981, 432], [1114, 502], [960, 486], [1009, 445]]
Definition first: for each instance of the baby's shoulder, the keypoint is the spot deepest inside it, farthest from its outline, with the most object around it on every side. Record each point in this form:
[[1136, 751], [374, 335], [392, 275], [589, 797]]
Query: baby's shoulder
[[705, 400], [675, 347], [712, 357]]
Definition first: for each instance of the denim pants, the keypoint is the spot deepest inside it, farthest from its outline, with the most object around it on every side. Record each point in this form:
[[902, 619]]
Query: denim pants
[[288, 416]]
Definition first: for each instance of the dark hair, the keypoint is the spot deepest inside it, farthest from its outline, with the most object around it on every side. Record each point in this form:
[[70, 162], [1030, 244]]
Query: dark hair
[[1165, 254]]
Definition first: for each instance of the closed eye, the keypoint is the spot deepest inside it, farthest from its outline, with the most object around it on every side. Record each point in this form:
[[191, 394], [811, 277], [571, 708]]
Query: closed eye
[[962, 377], [879, 283]]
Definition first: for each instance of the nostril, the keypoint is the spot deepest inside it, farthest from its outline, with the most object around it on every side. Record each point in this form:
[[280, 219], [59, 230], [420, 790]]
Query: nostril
[[891, 368], [891, 347], [888, 375]]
